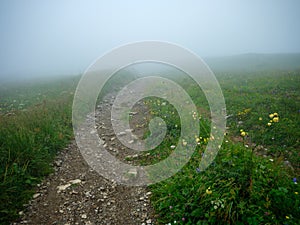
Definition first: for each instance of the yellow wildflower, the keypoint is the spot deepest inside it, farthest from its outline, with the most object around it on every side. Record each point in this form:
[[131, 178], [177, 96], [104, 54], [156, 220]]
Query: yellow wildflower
[[287, 217], [243, 134], [260, 119], [247, 110], [275, 114], [296, 192], [271, 116], [208, 191], [269, 124], [276, 119]]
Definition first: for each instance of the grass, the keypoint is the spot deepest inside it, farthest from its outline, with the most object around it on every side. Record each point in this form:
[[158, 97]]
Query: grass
[[35, 123], [239, 187]]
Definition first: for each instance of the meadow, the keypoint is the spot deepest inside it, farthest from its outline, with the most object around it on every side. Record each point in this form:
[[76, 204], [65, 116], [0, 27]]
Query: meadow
[[35, 123], [253, 180]]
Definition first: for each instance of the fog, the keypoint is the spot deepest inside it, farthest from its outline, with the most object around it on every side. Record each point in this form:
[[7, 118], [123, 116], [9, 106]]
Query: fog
[[41, 38]]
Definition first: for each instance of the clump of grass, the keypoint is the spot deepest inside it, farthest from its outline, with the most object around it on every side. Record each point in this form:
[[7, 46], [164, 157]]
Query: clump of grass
[[29, 140]]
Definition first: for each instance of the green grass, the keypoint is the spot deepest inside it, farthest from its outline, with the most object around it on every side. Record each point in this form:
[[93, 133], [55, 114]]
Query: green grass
[[263, 94], [35, 123], [30, 137], [240, 187], [245, 189]]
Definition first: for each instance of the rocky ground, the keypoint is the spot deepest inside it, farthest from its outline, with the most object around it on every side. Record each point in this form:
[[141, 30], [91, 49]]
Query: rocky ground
[[75, 194]]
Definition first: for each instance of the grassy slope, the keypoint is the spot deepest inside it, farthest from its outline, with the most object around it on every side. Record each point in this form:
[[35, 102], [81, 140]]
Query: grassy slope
[[252, 62], [39, 124], [34, 124], [246, 189]]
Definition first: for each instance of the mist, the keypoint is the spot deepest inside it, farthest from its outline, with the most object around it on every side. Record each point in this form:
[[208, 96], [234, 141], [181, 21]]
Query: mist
[[43, 38]]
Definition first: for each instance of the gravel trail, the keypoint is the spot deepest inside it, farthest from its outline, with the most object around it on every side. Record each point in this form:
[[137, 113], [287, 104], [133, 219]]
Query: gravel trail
[[75, 194]]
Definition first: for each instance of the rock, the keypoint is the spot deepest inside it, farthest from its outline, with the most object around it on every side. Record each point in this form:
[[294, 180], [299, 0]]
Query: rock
[[131, 174], [144, 216], [58, 163], [76, 181], [149, 221], [87, 194], [135, 156], [62, 187], [93, 132], [36, 195], [121, 133], [83, 216]]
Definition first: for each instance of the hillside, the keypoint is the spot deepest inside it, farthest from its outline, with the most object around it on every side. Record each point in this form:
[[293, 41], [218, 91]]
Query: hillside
[[254, 62]]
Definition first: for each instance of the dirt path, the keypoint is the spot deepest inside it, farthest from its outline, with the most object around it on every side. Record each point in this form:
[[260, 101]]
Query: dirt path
[[75, 194]]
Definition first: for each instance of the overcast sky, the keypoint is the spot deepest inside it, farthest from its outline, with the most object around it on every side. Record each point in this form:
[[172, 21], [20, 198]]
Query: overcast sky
[[61, 36]]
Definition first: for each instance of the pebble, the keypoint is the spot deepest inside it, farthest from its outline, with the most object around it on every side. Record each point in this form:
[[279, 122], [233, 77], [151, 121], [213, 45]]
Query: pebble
[[62, 187], [76, 181], [36, 195], [133, 171], [121, 133], [93, 132]]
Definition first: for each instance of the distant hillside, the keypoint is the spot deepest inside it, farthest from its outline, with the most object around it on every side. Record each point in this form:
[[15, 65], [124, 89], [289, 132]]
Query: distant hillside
[[254, 62]]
